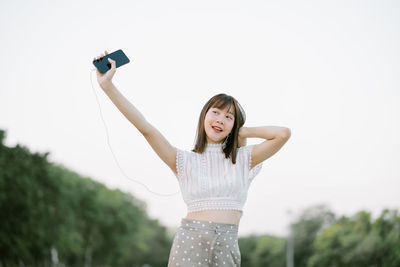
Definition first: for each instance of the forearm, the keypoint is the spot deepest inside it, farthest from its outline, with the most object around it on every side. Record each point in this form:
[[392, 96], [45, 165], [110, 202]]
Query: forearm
[[265, 132], [126, 108]]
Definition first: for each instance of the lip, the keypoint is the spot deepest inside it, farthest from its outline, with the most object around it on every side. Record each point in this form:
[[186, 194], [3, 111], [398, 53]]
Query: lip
[[222, 129], [216, 131]]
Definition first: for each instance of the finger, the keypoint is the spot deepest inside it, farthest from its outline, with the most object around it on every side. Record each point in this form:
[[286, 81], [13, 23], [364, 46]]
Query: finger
[[112, 63], [106, 52]]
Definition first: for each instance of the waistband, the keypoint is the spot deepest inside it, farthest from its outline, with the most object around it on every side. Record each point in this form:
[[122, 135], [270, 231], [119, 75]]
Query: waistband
[[223, 203], [191, 224]]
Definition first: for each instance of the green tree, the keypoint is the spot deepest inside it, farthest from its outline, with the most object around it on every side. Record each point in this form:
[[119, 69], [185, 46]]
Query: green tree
[[247, 246], [305, 230], [270, 252], [26, 205], [357, 241], [46, 206]]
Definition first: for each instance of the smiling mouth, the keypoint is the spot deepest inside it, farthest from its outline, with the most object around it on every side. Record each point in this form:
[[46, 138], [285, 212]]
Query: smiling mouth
[[217, 129]]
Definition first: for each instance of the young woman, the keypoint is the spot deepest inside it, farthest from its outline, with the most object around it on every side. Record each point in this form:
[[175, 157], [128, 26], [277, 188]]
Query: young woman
[[214, 177]]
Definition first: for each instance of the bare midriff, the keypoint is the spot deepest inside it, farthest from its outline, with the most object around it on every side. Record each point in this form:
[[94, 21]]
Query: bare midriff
[[218, 216]]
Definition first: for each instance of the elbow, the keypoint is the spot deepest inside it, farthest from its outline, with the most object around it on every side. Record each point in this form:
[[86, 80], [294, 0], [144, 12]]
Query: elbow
[[285, 134], [146, 129]]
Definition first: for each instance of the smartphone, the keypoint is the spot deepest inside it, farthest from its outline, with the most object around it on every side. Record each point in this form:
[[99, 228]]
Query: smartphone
[[103, 65]]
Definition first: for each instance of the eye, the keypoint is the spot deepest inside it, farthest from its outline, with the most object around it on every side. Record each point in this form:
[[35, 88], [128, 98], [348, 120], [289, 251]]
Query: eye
[[229, 117], [216, 112]]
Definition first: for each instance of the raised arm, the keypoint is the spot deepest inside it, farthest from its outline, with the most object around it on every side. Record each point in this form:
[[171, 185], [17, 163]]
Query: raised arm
[[157, 141], [275, 137]]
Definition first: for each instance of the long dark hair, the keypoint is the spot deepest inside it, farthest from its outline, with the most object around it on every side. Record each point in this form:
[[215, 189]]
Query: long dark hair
[[221, 101]]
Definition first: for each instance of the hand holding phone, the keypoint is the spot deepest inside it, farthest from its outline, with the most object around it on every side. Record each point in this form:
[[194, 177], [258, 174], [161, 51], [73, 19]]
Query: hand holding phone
[[103, 65], [106, 65]]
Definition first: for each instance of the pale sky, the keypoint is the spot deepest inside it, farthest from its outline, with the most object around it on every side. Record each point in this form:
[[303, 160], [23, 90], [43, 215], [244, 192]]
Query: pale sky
[[328, 70]]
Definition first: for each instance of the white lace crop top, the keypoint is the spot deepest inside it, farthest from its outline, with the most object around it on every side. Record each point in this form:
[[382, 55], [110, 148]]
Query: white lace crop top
[[211, 181]]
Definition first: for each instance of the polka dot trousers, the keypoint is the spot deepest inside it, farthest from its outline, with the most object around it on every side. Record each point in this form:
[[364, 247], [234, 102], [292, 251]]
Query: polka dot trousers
[[205, 243]]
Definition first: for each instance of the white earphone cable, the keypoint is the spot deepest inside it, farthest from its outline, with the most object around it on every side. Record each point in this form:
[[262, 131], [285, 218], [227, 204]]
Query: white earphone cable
[[108, 141]]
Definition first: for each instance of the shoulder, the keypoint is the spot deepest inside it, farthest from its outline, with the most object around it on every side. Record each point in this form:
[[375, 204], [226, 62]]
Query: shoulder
[[183, 155], [244, 150], [185, 152], [246, 160], [243, 154]]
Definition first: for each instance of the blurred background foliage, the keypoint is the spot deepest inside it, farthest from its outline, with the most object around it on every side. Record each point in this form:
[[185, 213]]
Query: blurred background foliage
[[52, 216]]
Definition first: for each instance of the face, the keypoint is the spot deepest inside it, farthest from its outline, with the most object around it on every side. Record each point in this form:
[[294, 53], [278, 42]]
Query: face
[[218, 123]]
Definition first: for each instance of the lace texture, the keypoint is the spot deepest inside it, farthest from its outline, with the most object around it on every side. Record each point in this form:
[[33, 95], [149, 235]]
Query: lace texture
[[209, 181]]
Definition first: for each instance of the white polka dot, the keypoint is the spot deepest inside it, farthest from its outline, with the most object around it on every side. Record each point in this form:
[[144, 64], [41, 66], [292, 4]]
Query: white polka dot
[[183, 259], [191, 247], [192, 238], [185, 252], [178, 246], [199, 244], [197, 254], [227, 246], [230, 237], [206, 249], [203, 225], [223, 262], [208, 242], [206, 233], [183, 241]]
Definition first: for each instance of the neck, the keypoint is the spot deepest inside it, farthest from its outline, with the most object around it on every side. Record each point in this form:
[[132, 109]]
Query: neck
[[214, 147]]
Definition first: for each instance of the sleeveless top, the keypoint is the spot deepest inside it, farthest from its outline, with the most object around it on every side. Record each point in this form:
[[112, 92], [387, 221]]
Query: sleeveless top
[[209, 181]]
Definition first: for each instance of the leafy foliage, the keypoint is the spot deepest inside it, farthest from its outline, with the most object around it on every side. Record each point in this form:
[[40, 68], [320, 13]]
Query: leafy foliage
[[46, 207]]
